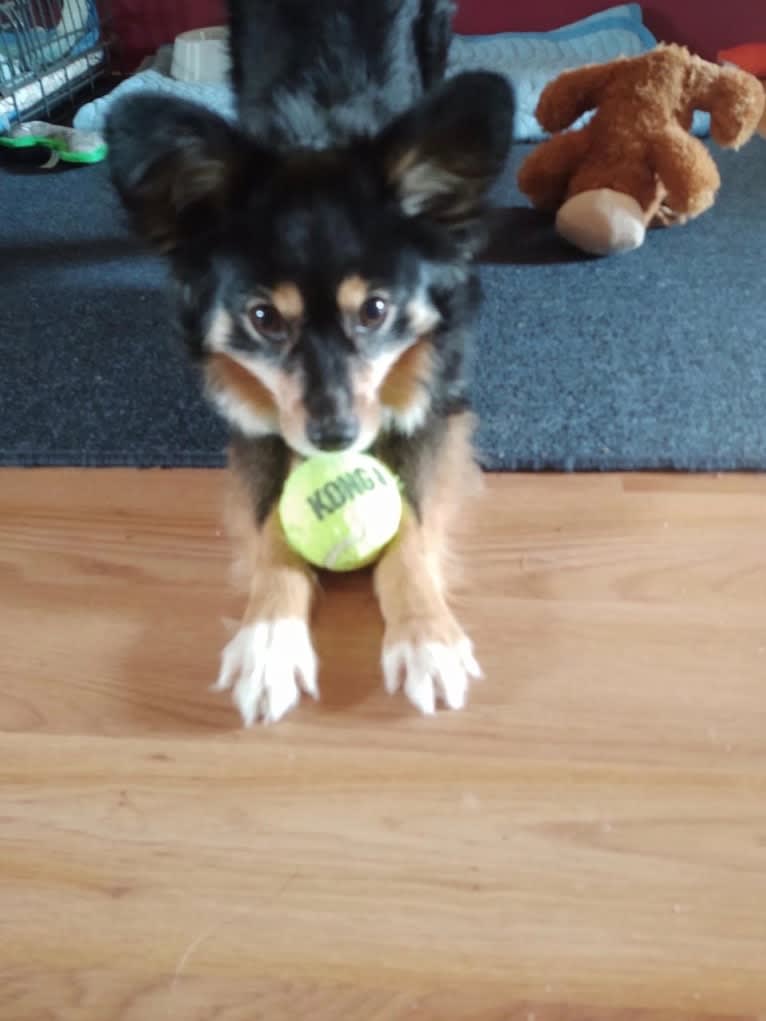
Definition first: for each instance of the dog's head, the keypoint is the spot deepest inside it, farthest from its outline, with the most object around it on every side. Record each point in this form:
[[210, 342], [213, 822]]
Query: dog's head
[[320, 288]]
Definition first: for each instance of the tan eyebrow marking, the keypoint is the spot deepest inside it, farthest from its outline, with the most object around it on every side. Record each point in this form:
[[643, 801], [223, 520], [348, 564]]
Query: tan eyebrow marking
[[288, 301], [351, 293]]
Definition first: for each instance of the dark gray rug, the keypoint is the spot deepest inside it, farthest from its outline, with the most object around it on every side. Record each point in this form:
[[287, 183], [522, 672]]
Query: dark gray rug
[[655, 359]]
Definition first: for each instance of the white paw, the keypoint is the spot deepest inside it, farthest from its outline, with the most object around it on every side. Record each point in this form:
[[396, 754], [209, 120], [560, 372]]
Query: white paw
[[266, 664], [428, 671]]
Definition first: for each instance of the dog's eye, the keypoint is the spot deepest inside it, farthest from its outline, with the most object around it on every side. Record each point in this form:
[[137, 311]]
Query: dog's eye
[[373, 312], [267, 320]]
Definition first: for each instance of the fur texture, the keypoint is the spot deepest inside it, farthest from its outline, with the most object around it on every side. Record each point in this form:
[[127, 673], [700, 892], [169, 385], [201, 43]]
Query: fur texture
[[322, 248]]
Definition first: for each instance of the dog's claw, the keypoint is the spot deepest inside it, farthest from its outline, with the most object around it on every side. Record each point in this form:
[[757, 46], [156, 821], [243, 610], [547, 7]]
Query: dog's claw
[[430, 671], [266, 665]]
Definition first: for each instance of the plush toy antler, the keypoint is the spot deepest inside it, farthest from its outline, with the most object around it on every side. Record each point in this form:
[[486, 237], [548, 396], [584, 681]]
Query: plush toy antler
[[750, 57], [635, 163], [730, 96]]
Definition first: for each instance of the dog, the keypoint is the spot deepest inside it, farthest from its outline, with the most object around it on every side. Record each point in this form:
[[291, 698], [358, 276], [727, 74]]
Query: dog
[[323, 251]]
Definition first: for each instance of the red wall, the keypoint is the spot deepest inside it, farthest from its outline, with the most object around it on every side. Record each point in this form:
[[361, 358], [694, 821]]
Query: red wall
[[704, 25], [140, 27]]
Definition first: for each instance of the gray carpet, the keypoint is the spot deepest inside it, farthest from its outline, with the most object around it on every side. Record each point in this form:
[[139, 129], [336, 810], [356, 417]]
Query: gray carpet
[[656, 359]]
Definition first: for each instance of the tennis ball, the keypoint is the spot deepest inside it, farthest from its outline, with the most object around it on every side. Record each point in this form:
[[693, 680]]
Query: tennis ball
[[338, 511]]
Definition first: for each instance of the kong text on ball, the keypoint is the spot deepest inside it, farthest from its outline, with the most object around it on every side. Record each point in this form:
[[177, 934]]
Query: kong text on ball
[[339, 511]]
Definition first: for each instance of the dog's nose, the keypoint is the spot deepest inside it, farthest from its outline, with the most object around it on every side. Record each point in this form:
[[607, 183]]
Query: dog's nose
[[331, 434]]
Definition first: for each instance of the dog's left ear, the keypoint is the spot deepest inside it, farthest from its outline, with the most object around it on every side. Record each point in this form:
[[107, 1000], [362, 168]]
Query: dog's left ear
[[442, 155]]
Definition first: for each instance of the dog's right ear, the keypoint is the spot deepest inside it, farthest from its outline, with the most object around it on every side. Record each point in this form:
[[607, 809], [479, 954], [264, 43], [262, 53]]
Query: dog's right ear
[[176, 166]]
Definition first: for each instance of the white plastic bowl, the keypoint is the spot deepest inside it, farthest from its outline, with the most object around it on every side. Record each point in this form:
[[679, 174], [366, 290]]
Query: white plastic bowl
[[201, 56]]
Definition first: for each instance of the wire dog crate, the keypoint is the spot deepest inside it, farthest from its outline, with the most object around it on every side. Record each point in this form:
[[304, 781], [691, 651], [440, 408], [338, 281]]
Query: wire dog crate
[[49, 50]]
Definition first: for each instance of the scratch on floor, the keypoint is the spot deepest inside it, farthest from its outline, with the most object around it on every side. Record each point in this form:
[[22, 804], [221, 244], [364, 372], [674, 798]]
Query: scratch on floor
[[212, 929], [195, 943]]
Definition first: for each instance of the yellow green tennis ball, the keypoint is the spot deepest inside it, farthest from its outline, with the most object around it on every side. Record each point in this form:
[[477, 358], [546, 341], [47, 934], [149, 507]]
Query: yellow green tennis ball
[[339, 511]]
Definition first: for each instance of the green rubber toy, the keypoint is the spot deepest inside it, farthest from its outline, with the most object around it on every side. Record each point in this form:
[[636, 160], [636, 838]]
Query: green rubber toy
[[66, 144]]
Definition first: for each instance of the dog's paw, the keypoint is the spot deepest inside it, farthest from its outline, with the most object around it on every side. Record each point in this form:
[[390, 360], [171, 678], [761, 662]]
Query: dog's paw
[[266, 665], [429, 669]]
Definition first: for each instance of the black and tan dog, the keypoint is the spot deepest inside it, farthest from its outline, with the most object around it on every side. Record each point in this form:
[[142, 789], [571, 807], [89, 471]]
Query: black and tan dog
[[322, 256]]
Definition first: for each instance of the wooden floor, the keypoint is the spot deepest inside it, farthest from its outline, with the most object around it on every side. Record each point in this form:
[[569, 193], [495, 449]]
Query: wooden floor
[[586, 842]]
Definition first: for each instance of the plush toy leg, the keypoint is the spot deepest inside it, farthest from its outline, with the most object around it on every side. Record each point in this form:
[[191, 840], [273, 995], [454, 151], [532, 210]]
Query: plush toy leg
[[602, 222], [688, 174], [545, 174]]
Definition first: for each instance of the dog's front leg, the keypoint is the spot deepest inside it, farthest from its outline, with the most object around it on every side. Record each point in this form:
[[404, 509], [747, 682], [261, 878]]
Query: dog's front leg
[[271, 658], [425, 650]]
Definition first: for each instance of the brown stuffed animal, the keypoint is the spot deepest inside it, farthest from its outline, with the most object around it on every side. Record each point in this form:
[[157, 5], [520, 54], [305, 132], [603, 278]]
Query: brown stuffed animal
[[634, 164]]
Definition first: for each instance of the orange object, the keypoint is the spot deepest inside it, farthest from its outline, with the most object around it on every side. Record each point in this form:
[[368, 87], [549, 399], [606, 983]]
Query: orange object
[[635, 163], [749, 56]]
